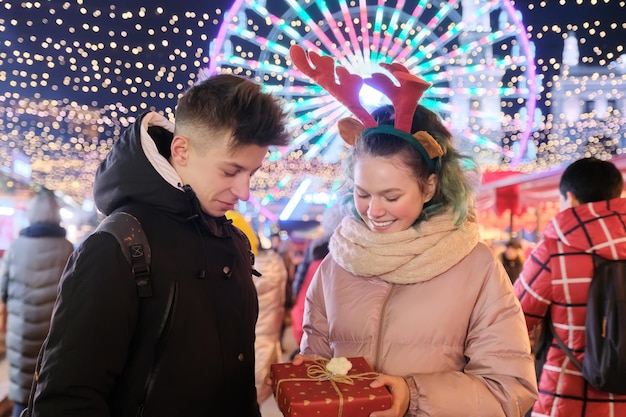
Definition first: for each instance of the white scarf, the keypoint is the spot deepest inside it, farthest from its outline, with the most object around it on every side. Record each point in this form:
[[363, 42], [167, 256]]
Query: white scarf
[[413, 255]]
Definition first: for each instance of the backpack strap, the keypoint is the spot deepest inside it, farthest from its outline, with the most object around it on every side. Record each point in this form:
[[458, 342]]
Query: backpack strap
[[564, 347], [130, 235]]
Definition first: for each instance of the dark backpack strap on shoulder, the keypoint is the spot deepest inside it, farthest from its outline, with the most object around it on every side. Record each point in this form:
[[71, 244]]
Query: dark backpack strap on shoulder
[[564, 347], [134, 243]]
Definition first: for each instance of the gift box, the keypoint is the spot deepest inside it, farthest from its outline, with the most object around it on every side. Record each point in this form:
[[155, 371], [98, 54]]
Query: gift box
[[311, 390]]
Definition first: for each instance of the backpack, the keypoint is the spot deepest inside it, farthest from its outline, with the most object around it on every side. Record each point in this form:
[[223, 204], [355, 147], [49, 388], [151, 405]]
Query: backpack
[[134, 244], [604, 363]]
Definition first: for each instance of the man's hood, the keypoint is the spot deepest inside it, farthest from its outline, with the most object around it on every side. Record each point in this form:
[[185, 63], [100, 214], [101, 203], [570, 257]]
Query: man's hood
[[137, 170]]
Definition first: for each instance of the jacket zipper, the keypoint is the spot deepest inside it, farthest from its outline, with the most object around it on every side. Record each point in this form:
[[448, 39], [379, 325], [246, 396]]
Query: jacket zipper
[[160, 345], [379, 339]]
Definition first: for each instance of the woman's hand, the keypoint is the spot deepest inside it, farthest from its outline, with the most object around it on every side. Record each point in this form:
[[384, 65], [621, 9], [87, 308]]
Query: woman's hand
[[400, 395], [300, 358], [297, 360]]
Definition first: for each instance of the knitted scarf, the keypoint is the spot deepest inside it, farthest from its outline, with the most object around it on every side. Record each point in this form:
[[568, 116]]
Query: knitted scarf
[[413, 255]]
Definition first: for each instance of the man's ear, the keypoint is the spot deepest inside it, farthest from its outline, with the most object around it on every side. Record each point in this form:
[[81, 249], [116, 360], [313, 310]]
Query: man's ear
[[431, 187], [572, 199], [180, 150]]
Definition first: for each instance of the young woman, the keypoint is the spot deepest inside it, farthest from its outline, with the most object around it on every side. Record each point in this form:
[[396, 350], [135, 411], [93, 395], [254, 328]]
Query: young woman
[[407, 284]]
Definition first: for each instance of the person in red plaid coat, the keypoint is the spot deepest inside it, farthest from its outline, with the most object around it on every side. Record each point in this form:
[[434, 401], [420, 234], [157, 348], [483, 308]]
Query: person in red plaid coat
[[556, 279]]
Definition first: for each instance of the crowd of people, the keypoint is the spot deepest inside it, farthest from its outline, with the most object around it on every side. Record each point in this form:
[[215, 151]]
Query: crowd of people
[[398, 274]]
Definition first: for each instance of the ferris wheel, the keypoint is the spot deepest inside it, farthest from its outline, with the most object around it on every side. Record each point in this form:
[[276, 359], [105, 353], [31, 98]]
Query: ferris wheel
[[475, 53]]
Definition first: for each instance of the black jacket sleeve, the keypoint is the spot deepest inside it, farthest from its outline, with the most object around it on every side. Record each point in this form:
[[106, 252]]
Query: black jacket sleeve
[[91, 329]]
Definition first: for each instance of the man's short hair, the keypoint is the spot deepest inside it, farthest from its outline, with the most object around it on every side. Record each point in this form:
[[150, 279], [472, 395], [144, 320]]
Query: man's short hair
[[229, 103], [591, 179]]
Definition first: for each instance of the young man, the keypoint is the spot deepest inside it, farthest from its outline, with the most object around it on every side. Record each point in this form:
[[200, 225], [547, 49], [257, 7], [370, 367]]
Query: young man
[[188, 349], [557, 275]]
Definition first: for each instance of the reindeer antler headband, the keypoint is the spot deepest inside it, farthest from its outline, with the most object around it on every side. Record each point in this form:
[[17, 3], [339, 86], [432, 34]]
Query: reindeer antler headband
[[404, 99]]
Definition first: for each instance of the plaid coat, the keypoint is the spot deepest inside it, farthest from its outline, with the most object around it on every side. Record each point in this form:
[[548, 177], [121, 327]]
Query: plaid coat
[[556, 276]]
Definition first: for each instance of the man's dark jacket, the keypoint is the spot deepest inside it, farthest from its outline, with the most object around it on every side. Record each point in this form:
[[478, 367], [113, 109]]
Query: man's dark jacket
[[186, 351]]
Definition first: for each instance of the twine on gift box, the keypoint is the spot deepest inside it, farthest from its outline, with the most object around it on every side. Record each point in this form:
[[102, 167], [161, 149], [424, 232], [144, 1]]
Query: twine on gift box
[[318, 372]]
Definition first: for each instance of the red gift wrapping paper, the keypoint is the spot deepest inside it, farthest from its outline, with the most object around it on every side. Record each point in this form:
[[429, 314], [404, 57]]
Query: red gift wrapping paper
[[308, 390]]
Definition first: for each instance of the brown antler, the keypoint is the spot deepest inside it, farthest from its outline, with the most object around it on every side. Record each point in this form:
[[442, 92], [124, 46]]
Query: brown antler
[[346, 92], [405, 97]]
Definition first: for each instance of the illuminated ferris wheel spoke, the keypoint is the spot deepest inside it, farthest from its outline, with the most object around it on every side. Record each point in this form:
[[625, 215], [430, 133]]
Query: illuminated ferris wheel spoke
[[263, 13], [308, 98], [448, 36], [378, 24], [299, 90], [252, 64], [445, 38], [392, 27], [259, 40], [363, 20], [489, 39], [409, 25], [330, 110], [319, 145], [433, 23], [321, 111], [352, 57], [352, 33], [317, 30], [275, 20]]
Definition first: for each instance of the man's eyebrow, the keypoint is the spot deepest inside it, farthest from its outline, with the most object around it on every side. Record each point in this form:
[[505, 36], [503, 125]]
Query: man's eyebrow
[[233, 165], [239, 167]]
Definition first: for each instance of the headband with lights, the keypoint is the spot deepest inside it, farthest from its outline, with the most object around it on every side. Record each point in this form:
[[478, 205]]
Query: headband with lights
[[404, 99]]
